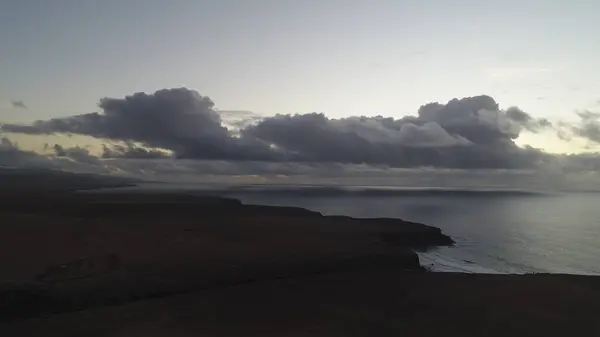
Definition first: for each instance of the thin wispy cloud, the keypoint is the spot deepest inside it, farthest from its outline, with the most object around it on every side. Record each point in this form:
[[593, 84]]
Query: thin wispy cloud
[[18, 104], [512, 73]]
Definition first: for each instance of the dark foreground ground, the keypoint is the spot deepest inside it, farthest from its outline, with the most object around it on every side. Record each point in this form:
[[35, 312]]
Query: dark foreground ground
[[176, 265], [360, 303]]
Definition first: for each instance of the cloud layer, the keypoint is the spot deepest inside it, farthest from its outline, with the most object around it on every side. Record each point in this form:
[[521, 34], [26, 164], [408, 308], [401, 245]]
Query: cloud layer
[[465, 133], [570, 172]]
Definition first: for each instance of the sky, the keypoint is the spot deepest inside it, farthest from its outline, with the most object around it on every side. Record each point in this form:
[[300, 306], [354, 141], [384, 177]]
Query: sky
[[342, 58]]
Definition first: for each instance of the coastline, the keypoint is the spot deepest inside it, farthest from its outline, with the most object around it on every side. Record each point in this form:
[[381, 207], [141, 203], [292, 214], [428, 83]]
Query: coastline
[[123, 247], [439, 263], [179, 264]]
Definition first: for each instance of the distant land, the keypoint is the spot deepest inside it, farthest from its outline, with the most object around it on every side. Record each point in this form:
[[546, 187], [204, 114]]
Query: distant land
[[32, 180]]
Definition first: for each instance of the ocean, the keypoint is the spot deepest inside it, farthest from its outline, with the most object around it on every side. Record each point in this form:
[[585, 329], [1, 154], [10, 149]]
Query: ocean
[[496, 231]]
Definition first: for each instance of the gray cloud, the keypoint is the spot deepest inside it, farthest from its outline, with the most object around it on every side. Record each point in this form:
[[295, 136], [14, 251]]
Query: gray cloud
[[472, 132], [581, 171], [68, 159], [478, 119], [12, 156], [564, 131], [584, 162], [589, 126], [464, 133], [179, 120], [78, 154], [73, 159], [525, 120], [18, 104]]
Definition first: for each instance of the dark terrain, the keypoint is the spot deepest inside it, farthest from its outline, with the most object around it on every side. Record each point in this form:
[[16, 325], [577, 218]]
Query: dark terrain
[[173, 264]]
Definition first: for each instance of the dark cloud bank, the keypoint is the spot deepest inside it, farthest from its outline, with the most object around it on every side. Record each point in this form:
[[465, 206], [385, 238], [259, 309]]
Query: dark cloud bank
[[464, 134]]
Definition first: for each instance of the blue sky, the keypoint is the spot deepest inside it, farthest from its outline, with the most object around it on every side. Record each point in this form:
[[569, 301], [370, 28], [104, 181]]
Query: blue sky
[[338, 57]]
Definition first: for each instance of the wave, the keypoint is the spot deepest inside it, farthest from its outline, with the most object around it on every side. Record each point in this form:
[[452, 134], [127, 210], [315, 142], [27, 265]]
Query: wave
[[434, 261]]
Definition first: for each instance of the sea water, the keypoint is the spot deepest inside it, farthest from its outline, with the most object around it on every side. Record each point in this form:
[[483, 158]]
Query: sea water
[[495, 231]]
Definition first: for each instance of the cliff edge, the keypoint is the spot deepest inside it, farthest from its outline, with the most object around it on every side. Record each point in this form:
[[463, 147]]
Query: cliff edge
[[66, 252]]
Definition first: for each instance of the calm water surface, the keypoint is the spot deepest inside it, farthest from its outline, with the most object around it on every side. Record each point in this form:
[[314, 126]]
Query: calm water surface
[[495, 232]]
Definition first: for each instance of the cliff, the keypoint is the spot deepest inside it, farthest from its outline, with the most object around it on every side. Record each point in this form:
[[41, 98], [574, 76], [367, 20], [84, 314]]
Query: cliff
[[67, 251]]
